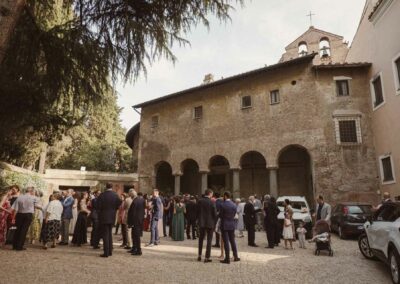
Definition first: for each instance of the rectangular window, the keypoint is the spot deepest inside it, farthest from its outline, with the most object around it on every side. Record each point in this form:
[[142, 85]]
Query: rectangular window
[[386, 169], [154, 121], [348, 131], [342, 88], [397, 73], [377, 90], [198, 112], [246, 102], [274, 97]]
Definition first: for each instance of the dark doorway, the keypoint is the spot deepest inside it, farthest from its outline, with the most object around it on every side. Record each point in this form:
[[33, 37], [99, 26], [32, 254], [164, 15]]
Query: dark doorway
[[253, 175], [165, 181], [220, 177], [191, 179], [295, 173]]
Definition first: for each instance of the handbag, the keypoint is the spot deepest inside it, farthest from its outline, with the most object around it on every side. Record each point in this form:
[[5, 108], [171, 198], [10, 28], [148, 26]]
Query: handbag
[[10, 235]]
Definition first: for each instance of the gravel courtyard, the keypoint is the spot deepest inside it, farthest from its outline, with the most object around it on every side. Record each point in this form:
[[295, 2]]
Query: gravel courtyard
[[175, 262]]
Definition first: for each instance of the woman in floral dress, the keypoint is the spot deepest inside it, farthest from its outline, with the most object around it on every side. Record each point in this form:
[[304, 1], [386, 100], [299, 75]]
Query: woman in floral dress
[[4, 213]]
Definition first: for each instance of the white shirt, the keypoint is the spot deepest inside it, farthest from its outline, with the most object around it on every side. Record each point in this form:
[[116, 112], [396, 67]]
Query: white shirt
[[54, 209], [25, 204]]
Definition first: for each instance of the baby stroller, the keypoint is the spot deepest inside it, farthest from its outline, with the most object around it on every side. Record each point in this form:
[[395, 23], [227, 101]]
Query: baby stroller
[[322, 237]]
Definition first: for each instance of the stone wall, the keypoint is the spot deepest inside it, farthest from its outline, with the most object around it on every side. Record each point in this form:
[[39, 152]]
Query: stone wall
[[304, 117]]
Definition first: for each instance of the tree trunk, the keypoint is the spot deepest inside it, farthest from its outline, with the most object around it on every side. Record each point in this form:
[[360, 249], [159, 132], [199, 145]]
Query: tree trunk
[[10, 11]]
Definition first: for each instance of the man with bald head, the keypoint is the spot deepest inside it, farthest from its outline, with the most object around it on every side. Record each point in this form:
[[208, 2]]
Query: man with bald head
[[24, 207]]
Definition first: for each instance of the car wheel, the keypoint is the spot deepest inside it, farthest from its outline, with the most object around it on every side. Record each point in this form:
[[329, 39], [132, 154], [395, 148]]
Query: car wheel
[[394, 265], [363, 245], [340, 233]]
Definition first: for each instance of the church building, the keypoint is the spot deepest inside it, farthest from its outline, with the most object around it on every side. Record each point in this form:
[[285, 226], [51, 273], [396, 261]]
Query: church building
[[299, 127]]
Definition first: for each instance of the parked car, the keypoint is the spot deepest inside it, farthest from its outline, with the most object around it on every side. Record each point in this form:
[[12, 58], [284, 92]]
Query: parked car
[[381, 239], [348, 218], [301, 212]]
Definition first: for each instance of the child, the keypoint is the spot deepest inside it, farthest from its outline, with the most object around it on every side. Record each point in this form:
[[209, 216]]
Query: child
[[301, 232]]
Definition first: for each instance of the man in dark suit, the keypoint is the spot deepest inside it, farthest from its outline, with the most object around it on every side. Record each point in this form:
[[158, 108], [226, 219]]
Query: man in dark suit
[[135, 221], [207, 215], [191, 217], [250, 221], [107, 204], [227, 215], [271, 220]]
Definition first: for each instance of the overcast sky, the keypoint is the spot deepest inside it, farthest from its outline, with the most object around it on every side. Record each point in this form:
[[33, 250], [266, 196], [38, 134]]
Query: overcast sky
[[256, 36]]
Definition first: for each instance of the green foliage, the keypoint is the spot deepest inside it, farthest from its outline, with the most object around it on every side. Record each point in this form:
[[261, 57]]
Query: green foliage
[[63, 54], [8, 178]]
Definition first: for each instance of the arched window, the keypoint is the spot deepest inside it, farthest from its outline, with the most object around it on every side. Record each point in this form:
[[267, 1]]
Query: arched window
[[324, 47], [303, 49]]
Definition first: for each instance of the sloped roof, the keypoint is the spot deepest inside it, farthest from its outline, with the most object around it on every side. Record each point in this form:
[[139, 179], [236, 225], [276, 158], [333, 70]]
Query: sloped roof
[[299, 60], [313, 29]]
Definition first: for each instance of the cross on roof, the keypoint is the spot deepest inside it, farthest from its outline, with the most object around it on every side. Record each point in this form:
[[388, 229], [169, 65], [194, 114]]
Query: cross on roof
[[310, 15]]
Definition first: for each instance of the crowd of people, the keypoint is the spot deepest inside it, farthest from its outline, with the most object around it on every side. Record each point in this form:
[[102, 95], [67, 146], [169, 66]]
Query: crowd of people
[[24, 217]]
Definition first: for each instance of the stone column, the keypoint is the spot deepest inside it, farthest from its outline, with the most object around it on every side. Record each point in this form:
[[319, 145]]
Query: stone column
[[177, 184], [273, 181], [236, 183], [204, 181]]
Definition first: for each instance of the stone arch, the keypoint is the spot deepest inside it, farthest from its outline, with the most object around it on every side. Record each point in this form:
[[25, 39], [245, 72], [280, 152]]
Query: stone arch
[[253, 174], [295, 173], [191, 178], [164, 180], [219, 176], [324, 47], [302, 48]]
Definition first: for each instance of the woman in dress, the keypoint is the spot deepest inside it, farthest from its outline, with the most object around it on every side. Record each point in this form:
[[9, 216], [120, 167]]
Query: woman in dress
[[35, 227], [52, 219], [239, 211], [122, 220], [74, 215], [178, 220], [80, 233], [288, 224], [5, 211]]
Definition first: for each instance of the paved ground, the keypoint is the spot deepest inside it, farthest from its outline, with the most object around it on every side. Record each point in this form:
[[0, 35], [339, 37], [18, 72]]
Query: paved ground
[[175, 262]]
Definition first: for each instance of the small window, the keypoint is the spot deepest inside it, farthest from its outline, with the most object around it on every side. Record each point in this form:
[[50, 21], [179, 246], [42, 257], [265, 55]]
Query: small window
[[386, 169], [348, 131], [154, 121], [198, 112], [274, 97], [377, 91], [342, 88], [246, 102], [396, 68]]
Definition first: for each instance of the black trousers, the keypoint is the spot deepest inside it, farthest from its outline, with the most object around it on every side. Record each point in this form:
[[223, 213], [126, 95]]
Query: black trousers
[[95, 234], [22, 221], [107, 239], [229, 238], [251, 234], [136, 234], [209, 233], [271, 234], [191, 224]]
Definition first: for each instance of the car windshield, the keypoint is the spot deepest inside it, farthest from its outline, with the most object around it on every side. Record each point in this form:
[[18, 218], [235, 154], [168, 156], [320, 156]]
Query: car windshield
[[359, 209], [298, 206]]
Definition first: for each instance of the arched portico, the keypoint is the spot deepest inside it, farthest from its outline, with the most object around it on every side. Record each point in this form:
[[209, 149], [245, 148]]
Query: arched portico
[[253, 174], [295, 172], [219, 176], [191, 178], [164, 179]]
